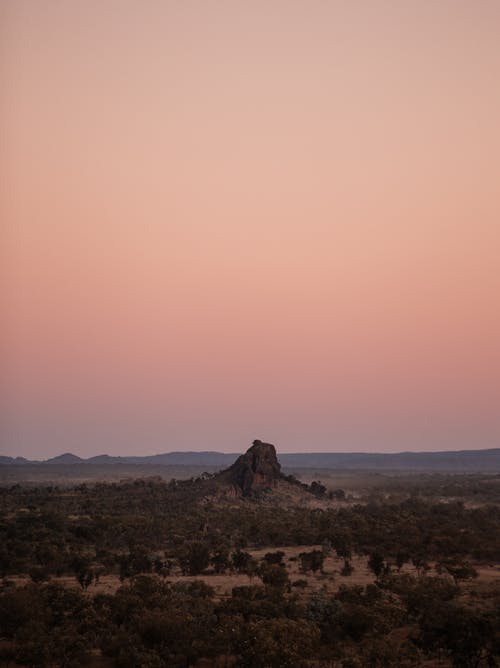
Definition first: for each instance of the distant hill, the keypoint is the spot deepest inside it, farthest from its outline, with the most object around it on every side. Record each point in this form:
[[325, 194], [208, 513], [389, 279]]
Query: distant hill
[[19, 461], [207, 458], [66, 458], [454, 461], [451, 461]]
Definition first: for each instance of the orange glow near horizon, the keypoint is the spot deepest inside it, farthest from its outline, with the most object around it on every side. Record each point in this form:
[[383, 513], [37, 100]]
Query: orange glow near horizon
[[226, 221]]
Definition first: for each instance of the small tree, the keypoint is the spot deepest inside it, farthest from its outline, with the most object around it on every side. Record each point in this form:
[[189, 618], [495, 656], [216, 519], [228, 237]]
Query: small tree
[[318, 489], [220, 561], [401, 559], [376, 564], [83, 571], [240, 560], [85, 578], [420, 563], [343, 547], [311, 561], [194, 558], [274, 557], [274, 575], [347, 568], [459, 570]]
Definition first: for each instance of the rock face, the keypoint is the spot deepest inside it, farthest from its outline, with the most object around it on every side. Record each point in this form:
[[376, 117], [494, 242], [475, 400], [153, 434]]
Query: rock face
[[257, 470]]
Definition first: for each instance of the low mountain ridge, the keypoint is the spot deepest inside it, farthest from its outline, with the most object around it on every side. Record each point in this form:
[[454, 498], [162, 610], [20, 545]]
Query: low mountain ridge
[[458, 461]]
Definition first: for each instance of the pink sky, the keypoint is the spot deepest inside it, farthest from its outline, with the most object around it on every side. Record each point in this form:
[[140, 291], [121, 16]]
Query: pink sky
[[232, 220]]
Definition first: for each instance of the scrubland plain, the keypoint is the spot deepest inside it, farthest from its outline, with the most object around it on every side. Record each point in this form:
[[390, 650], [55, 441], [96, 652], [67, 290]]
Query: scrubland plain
[[362, 569]]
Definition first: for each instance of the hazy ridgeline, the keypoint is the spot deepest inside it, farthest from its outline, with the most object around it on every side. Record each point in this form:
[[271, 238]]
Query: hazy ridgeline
[[68, 468]]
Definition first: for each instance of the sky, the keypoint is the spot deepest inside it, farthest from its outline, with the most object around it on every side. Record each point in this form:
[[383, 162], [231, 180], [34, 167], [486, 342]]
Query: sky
[[229, 220]]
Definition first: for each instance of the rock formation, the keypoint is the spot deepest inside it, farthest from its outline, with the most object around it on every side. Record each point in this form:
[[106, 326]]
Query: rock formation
[[257, 470]]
